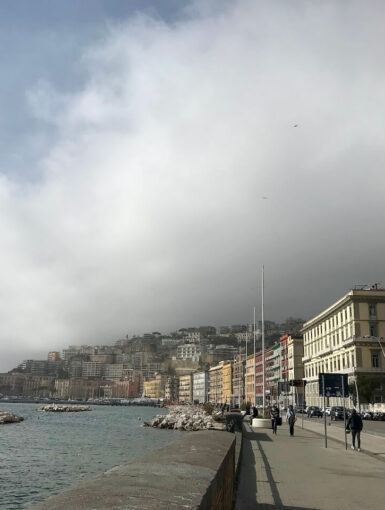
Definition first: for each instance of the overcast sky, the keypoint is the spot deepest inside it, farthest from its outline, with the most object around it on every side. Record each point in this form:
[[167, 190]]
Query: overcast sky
[[138, 139]]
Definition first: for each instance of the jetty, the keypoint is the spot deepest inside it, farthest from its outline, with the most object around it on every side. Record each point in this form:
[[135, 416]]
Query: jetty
[[52, 408]]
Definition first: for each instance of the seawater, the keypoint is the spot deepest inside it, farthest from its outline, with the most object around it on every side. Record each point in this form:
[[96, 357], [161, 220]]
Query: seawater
[[50, 452]]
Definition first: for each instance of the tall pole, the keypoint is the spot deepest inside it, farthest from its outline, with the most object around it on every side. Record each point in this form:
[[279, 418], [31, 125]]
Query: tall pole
[[343, 396], [255, 382], [263, 340], [323, 391], [247, 339]]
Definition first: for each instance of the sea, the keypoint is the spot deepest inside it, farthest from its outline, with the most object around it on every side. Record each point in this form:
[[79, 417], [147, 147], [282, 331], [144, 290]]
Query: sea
[[51, 452]]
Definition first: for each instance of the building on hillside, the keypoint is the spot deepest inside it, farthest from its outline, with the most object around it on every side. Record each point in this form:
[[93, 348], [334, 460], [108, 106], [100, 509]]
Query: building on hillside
[[346, 338], [193, 337], [155, 388], [113, 372], [238, 395], [200, 387], [53, 356], [185, 388], [188, 352], [227, 382], [92, 369], [171, 390]]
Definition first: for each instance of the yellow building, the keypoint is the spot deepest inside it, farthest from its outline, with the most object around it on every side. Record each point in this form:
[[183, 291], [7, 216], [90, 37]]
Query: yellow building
[[250, 394], [346, 338], [215, 383], [185, 388], [227, 382], [155, 388]]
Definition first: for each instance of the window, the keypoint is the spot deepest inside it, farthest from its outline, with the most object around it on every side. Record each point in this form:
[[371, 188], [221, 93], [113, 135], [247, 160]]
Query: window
[[372, 311], [375, 359], [373, 329]]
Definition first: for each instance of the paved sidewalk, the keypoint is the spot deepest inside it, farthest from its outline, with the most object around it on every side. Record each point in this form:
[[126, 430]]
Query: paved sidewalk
[[292, 473], [370, 443]]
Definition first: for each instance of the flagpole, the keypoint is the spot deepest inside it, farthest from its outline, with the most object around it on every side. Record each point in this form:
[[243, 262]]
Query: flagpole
[[263, 341], [255, 403]]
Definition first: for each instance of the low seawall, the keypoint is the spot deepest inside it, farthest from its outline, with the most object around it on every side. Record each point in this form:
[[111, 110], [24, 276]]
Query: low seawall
[[195, 472]]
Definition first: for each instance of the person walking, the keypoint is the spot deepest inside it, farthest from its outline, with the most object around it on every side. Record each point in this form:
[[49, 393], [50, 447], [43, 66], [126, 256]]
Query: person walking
[[355, 425], [274, 414], [291, 419]]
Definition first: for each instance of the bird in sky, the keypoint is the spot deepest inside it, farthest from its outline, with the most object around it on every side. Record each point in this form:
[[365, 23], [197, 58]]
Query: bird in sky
[[295, 125], [265, 198]]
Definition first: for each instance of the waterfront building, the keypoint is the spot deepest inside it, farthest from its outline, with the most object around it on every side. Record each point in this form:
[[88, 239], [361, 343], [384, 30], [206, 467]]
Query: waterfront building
[[155, 388], [250, 378], [238, 394], [200, 387], [125, 389], [272, 374], [171, 390], [227, 382], [345, 338], [295, 368], [215, 383], [185, 388]]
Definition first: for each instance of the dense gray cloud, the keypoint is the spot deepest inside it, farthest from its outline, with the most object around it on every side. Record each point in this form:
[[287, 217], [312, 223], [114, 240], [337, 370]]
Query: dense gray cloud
[[147, 212]]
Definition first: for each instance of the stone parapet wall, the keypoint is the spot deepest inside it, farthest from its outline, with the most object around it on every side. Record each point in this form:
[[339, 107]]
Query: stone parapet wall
[[196, 472]]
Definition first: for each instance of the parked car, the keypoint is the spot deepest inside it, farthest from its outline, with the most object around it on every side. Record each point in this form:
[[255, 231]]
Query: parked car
[[367, 415], [337, 413], [314, 411], [379, 416]]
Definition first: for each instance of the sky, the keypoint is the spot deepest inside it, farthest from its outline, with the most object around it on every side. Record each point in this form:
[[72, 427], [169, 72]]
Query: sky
[[155, 154]]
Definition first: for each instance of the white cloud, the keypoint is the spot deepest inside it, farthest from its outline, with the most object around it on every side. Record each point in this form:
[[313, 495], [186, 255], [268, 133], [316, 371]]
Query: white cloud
[[148, 211]]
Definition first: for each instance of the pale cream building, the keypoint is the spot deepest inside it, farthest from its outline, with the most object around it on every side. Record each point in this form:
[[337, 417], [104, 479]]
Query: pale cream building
[[186, 388], [346, 338]]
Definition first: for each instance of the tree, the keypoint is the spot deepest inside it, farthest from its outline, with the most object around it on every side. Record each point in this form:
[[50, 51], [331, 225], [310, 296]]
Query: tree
[[370, 385]]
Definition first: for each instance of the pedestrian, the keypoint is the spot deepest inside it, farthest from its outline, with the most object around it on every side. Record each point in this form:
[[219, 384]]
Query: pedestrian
[[291, 419], [274, 414], [355, 425]]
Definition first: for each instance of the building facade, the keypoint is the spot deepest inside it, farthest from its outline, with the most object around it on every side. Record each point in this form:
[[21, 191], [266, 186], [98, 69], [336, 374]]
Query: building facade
[[200, 387], [346, 338]]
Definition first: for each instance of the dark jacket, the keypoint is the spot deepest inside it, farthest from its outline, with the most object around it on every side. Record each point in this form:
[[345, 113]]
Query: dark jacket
[[354, 422], [274, 413]]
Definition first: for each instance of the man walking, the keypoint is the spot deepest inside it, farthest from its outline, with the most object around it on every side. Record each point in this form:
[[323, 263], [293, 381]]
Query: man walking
[[355, 425], [291, 419]]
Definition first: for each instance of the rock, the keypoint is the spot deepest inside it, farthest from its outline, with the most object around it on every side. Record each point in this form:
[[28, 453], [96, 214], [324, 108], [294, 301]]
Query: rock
[[9, 418], [53, 408]]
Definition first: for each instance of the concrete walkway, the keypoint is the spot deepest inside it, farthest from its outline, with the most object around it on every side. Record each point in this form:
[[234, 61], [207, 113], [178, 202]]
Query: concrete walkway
[[371, 444], [300, 473]]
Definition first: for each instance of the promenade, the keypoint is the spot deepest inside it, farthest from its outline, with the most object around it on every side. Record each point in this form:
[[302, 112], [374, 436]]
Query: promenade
[[300, 473]]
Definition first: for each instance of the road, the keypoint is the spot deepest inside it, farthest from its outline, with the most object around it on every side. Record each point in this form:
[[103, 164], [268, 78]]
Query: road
[[371, 427]]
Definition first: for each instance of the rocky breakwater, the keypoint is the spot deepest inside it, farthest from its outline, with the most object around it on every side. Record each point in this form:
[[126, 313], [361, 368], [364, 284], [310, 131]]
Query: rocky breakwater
[[190, 418], [52, 408], [9, 418]]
